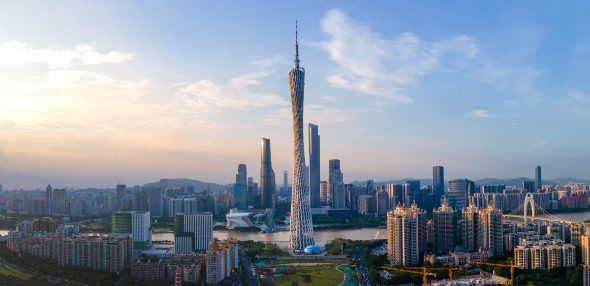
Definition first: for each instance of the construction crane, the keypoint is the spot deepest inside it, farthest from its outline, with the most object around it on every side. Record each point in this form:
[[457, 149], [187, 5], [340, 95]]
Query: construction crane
[[412, 271], [450, 270], [503, 265]]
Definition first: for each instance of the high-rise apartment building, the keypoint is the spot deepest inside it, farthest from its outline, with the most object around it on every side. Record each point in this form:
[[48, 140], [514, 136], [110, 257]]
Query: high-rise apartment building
[[406, 235], [136, 224], [49, 199], [445, 228], [141, 201], [60, 202], [438, 184], [266, 176], [192, 232], [370, 187], [301, 227], [324, 192], [314, 166], [585, 239], [490, 230], [458, 193], [470, 228], [163, 184], [222, 260], [529, 186], [413, 191], [538, 183], [121, 191]]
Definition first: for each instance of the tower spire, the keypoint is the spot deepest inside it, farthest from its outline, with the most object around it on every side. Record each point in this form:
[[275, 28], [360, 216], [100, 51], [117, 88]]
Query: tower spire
[[296, 48]]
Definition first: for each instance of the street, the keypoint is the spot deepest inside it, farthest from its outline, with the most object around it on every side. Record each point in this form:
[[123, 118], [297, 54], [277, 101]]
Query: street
[[366, 281]]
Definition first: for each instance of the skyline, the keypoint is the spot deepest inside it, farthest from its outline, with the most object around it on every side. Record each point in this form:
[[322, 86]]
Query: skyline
[[188, 91]]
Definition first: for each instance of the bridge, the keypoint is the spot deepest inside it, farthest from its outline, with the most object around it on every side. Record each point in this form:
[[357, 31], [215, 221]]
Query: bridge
[[531, 209]]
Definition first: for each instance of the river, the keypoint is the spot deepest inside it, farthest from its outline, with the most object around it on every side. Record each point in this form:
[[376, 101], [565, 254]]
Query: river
[[321, 237]]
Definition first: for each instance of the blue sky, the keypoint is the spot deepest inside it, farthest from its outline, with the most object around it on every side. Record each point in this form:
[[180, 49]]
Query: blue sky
[[97, 92]]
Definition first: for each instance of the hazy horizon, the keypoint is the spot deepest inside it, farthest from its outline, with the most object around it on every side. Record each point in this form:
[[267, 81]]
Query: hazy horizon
[[94, 93]]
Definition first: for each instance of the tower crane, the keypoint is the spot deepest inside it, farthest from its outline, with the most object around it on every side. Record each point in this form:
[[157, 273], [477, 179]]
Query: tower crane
[[424, 273], [503, 265], [451, 269]]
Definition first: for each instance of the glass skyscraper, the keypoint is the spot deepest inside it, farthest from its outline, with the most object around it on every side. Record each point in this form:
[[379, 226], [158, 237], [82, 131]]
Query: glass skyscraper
[[314, 166]]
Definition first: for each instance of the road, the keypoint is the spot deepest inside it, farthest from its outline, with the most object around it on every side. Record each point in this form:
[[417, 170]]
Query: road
[[363, 268], [251, 280]]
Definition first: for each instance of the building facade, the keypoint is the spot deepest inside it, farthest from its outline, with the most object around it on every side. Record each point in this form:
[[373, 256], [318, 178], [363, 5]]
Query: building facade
[[445, 228], [192, 232], [314, 166], [406, 235]]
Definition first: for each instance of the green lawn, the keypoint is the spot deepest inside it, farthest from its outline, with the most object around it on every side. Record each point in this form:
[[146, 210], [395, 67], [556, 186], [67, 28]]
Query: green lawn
[[325, 274], [278, 262], [10, 272]]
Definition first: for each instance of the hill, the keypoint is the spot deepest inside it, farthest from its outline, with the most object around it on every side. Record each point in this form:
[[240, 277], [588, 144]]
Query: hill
[[199, 186]]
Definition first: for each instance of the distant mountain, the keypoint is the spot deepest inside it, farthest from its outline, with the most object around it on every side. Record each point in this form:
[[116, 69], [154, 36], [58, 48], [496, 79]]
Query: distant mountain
[[423, 182], [199, 186]]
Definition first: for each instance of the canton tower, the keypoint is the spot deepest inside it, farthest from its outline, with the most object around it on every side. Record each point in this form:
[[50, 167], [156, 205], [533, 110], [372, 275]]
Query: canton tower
[[301, 232]]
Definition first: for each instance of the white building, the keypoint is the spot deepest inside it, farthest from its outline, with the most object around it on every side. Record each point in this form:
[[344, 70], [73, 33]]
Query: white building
[[406, 235], [192, 232], [137, 224], [237, 219]]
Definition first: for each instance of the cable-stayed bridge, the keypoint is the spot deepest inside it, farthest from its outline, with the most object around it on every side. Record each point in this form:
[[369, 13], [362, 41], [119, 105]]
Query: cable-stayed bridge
[[531, 210]]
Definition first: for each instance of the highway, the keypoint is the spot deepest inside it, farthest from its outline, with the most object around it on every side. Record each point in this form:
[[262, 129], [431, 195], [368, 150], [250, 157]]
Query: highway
[[363, 269], [251, 280]]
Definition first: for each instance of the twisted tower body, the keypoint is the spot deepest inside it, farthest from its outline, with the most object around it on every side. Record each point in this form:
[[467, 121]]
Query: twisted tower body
[[301, 233]]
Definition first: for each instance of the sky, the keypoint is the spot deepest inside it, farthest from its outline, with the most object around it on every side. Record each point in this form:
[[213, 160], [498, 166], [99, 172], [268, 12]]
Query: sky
[[93, 93]]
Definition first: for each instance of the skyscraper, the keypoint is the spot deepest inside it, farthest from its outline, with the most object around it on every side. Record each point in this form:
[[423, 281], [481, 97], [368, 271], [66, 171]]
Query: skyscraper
[[192, 232], [414, 192], [458, 193], [266, 174], [438, 184], [240, 189], [339, 197], [155, 197], [538, 183], [490, 230], [314, 166], [285, 182], [301, 231], [333, 165], [324, 192], [395, 192], [136, 224], [59, 201], [49, 199], [121, 190]]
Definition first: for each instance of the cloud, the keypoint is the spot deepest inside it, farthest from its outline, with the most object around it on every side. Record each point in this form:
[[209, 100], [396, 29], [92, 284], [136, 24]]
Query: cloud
[[316, 114], [577, 102], [13, 54], [479, 113], [329, 98], [372, 65], [515, 79]]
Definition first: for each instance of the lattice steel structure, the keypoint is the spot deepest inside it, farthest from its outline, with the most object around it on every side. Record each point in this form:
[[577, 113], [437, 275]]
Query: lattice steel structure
[[301, 232]]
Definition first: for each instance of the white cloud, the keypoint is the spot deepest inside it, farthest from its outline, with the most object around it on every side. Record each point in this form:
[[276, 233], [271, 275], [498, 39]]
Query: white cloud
[[14, 54], [480, 113], [510, 78], [372, 65], [536, 146], [329, 98], [577, 103]]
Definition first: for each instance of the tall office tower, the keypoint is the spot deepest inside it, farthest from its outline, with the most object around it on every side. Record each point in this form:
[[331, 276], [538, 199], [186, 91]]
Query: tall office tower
[[141, 201], [314, 166], [458, 193], [490, 230], [538, 183], [266, 172], [135, 189], [333, 165], [414, 192], [59, 201], [382, 203], [163, 184], [445, 228], [301, 231], [49, 200], [395, 193], [240, 189], [136, 224], [438, 184], [339, 197], [529, 186], [121, 190], [470, 228], [251, 193], [406, 235], [586, 248], [285, 182], [156, 202], [192, 232], [324, 192], [370, 187]]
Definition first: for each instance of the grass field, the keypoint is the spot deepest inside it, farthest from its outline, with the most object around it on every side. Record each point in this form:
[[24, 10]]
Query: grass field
[[325, 274], [7, 271], [278, 262]]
